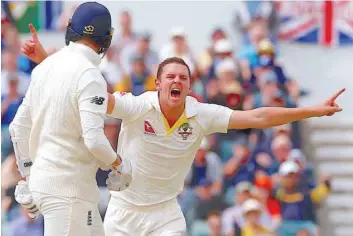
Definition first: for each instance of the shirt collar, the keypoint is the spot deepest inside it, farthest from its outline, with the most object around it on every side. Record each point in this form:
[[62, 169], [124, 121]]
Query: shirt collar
[[86, 51], [190, 104]]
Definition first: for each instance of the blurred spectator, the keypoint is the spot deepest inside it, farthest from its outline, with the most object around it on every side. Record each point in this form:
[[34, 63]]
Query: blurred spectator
[[207, 165], [25, 226], [281, 146], [252, 11], [11, 39], [10, 102], [125, 37], [305, 170], [138, 80], [10, 71], [264, 193], [248, 53], [142, 47], [233, 218], [178, 47], [252, 211], [65, 17], [208, 56], [206, 201], [111, 70], [297, 204], [226, 90], [10, 176], [239, 168], [5, 205], [214, 221], [266, 56], [269, 95]]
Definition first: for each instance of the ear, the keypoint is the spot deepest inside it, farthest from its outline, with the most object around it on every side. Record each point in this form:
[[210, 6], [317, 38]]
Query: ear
[[158, 84]]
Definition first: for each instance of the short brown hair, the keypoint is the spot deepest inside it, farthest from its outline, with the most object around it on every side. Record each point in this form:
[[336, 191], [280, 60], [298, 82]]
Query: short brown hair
[[170, 60]]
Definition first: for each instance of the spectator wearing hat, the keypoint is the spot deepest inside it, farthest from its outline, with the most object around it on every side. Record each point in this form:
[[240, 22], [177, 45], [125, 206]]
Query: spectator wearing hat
[[227, 89], [138, 80], [252, 211], [223, 49], [306, 172], [305, 169], [280, 148], [178, 47], [208, 55], [233, 218], [141, 47], [298, 205]]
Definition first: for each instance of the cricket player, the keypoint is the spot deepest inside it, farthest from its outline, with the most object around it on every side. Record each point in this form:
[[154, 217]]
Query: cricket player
[[58, 134], [161, 132]]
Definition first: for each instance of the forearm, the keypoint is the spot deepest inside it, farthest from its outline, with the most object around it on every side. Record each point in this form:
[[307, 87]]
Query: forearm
[[275, 116], [20, 130], [231, 167]]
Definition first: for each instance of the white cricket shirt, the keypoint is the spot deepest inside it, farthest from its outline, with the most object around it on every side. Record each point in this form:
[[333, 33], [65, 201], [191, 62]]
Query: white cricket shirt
[[61, 123], [161, 157]]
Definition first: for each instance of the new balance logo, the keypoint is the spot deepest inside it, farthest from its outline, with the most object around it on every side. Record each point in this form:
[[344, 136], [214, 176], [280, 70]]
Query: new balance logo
[[89, 218], [97, 100], [28, 164], [149, 129]]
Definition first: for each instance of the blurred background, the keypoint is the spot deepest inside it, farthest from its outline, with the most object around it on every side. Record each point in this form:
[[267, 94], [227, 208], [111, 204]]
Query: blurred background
[[295, 179]]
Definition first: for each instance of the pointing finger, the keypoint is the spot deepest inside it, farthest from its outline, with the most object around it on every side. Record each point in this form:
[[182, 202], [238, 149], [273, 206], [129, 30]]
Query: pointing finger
[[335, 96], [33, 32]]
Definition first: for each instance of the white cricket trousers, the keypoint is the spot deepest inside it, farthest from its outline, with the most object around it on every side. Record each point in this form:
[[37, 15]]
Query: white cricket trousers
[[124, 219], [68, 216]]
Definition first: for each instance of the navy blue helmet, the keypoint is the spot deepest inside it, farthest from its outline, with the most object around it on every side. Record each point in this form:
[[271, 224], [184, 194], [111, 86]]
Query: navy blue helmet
[[91, 20]]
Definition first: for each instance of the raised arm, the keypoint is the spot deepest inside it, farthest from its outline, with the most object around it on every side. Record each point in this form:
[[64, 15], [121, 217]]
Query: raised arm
[[32, 48], [267, 117]]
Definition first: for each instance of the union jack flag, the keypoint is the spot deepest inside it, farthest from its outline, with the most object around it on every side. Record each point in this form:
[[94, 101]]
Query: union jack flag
[[326, 22]]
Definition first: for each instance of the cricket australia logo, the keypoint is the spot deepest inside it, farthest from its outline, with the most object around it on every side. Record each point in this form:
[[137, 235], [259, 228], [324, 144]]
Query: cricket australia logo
[[185, 130]]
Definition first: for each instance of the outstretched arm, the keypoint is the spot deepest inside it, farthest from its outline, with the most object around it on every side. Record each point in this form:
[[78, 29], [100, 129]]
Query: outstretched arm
[[267, 117]]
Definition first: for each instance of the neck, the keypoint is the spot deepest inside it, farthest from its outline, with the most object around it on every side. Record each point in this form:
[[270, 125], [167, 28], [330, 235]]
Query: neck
[[88, 44], [171, 114]]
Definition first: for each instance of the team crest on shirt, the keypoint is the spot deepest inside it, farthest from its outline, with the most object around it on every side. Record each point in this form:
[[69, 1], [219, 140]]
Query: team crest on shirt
[[185, 130]]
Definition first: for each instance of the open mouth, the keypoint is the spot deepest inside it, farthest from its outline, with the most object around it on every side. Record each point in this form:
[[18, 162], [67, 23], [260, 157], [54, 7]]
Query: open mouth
[[175, 93]]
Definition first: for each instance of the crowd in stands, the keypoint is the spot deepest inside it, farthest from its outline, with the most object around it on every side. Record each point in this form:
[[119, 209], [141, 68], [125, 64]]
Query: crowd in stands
[[246, 182]]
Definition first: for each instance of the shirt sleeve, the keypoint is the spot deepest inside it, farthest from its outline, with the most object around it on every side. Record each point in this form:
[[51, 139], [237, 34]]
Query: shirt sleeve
[[214, 118], [129, 107], [92, 101], [20, 130]]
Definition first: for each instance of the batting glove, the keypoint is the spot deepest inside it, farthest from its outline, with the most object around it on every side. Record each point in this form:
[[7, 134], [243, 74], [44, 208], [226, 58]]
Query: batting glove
[[24, 197], [120, 179]]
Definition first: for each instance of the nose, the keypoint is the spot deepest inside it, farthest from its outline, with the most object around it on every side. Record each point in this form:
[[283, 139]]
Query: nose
[[177, 79]]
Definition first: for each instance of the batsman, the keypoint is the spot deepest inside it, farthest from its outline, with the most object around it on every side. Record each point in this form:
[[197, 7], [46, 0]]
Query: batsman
[[58, 131]]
